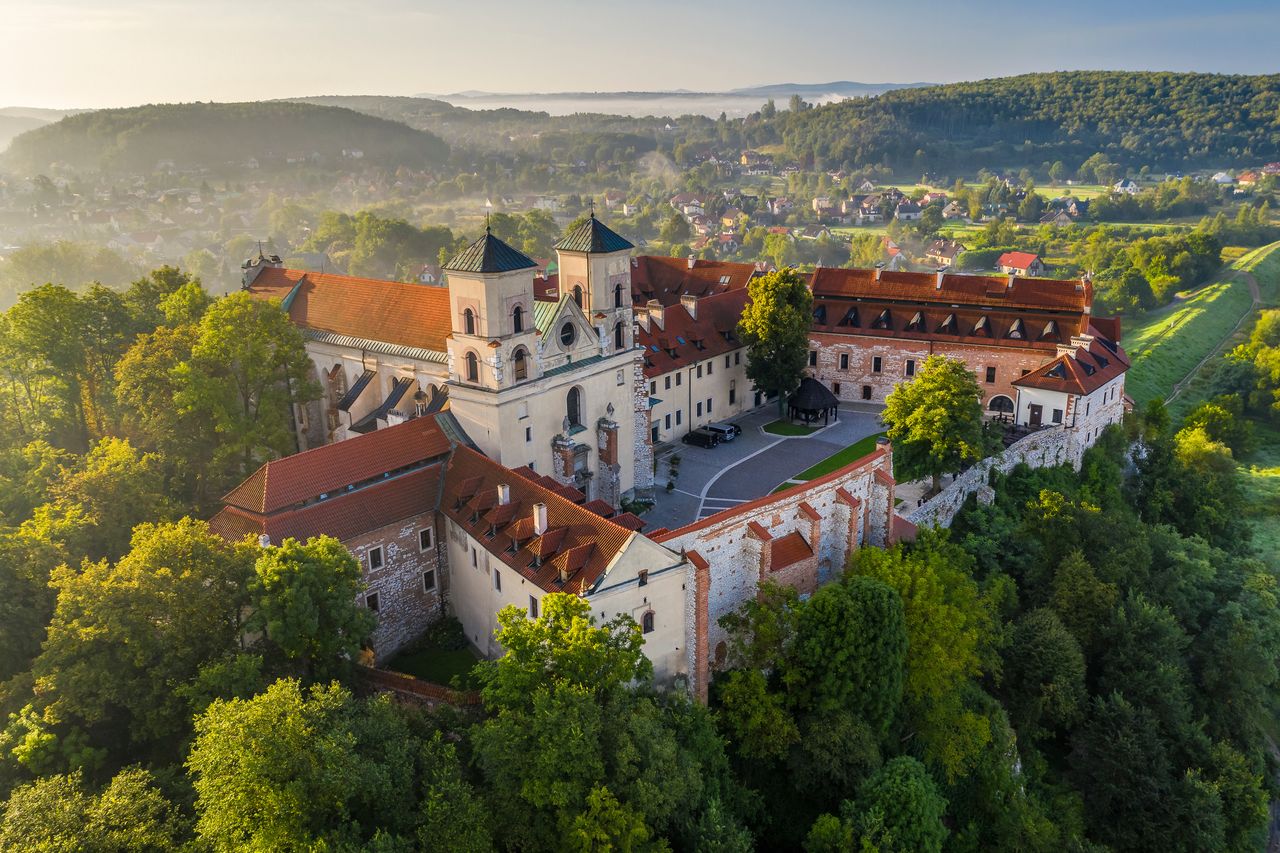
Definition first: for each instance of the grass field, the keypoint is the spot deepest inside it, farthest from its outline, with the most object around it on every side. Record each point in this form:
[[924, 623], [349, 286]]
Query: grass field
[[438, 666], [852, 453], [788, 428], [1167, 344], [1260, 481]]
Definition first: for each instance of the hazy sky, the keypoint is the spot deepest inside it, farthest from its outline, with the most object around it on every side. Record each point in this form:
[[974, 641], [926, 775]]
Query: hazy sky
[[97, 53]]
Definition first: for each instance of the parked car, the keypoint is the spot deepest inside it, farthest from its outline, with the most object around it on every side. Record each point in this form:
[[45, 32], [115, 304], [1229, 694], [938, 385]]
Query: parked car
[[701, 437], [726, 430]]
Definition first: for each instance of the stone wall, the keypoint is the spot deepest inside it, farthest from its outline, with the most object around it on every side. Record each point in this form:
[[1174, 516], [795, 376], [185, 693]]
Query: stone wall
[[643, 482], [729, 553], [1049, 446], [405, 608]]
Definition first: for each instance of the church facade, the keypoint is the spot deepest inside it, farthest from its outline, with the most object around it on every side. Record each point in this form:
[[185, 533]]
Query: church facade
[[544, 376]]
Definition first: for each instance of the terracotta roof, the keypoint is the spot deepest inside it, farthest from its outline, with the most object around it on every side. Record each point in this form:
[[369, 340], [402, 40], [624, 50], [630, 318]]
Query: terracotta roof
[[285, 483], [472, 478], [1083, 371], [969, 290], [345, 516], [593, 236], [684, 340], [489, 255], [667, 279], [752, 509], [788, 550], [1017, 260], [394, 312]]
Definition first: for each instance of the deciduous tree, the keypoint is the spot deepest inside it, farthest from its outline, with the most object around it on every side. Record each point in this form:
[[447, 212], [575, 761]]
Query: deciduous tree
[[775, 327], [935, 421]]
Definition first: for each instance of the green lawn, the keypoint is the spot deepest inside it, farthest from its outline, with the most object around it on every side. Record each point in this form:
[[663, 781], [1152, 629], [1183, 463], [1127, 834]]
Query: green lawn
[[438, 666], [1167, 344], [788, 428], [1260, 482], [852, 453]]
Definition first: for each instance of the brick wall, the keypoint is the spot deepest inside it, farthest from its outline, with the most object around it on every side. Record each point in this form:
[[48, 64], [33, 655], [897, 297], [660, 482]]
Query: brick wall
[[862, 350], [405, 609]]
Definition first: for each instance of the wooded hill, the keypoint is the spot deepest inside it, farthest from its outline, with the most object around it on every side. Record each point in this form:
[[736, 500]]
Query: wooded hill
[[216, 136], [1163, 120]]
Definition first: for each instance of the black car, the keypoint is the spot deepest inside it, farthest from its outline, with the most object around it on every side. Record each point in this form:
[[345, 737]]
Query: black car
[[701, 437]]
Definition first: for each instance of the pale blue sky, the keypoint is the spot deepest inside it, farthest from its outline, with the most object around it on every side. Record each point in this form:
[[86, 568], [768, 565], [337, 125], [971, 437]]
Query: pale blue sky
[[97, 53]]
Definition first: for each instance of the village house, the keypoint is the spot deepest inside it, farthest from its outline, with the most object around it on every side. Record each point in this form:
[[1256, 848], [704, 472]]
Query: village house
[[907, 211], [954, 210], [944, 251], [1126, 186], [1057, 218], [1024, 264]]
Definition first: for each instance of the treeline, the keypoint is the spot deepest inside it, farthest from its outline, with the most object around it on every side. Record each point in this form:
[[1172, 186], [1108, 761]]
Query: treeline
[[1162, 120], [218, 136]]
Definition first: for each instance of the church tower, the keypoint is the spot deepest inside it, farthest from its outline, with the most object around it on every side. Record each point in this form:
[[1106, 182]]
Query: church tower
[[491, 302], [595, 269]]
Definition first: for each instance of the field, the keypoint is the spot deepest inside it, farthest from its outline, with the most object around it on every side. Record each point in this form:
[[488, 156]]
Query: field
[[1168, 344]]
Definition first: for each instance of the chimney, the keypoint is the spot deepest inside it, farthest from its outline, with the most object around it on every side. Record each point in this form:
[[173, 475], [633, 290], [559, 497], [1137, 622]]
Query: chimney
[[264, 541], [1008, 285], [504, 494], [657, 314], [642, 317], [691, 259], [690, 303], [1067, 349], [937, 277], [539, 519], [879, 269]]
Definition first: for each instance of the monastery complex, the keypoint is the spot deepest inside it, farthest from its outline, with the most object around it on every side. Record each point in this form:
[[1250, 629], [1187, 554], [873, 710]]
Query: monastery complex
[[475, 440]]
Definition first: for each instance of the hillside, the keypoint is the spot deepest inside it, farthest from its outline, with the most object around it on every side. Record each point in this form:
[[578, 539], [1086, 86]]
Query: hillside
[[219, 135], [1163, 120], [11, 126]]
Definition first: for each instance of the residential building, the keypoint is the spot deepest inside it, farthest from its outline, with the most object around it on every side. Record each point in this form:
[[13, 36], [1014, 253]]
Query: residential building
[[944, 251], [1024, 264]]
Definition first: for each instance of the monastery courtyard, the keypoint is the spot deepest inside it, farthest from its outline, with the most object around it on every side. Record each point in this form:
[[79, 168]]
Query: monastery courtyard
[[750, 466]]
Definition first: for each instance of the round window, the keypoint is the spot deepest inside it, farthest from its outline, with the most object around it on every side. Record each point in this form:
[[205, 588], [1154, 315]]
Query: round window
[[568, 334]]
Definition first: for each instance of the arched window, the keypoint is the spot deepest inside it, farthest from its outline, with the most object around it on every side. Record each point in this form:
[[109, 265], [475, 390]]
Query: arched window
[[573, 407], [568, 334], [577, 294], [473, 367], [646, 622], [520, 365], [517, 319], [1000, 403], [617, 296], [469, 321], [617, 336]]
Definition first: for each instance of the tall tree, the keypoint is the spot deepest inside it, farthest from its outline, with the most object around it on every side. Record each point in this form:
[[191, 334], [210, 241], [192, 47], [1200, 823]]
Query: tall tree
[[248, 369], [935, 421], [775, 328], [304, 597]]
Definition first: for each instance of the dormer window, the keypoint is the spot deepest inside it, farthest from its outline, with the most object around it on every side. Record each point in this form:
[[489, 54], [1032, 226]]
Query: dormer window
[[948, 325], [1017, 331], [884, 321], [820, 315], [917, 323], [850, 317], [982, 328]]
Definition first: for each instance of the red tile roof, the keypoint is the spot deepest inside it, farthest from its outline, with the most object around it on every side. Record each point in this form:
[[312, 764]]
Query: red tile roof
[[677, 343], [1084, 371], [970, 290], [345, 516], [284, 483], [391, 312], [788, 550], [577, 542], [667, 279], [1017, 260]]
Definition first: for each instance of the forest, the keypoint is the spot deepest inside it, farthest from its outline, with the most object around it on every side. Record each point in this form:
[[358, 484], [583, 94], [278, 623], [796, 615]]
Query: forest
[[217, 136], [1087, 663], [1167, 121]]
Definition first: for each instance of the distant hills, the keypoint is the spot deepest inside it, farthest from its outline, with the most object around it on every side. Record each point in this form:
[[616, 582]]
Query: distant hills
[[207, 135], [16, 120], [1158, 119], [734, 103]]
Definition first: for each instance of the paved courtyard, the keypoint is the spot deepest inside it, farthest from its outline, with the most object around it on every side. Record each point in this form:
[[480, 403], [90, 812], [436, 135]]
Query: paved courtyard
[[750, 466]]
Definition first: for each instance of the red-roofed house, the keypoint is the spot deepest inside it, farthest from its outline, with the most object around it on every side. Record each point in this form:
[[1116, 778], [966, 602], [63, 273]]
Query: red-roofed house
[[1020, 263]]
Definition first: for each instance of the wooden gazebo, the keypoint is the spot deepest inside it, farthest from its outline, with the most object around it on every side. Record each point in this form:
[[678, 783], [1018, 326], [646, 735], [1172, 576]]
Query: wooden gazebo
[[811, 401]]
